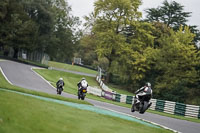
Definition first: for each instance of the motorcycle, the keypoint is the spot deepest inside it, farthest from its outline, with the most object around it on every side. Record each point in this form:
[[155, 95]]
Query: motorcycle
[[82, 93], [141, 103], [59, 90]]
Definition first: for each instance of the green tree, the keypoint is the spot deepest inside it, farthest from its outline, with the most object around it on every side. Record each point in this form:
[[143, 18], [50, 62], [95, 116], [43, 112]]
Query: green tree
[[173, 15], [45, 26], [176, 63], [112, 17], [17, 29]]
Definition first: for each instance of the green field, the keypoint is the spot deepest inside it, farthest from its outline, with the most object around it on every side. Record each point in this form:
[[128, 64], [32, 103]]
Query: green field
[[71, 81], [24, 114], [71, 67]]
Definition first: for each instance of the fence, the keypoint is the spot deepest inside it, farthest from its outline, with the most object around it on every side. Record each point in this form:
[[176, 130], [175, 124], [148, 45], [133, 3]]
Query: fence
[[170, 107], [35, 56]]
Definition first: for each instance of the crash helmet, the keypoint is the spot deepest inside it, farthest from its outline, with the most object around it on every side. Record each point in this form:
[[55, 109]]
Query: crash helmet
[[148, 84], [84, 83], [83, 78], [61, 78]]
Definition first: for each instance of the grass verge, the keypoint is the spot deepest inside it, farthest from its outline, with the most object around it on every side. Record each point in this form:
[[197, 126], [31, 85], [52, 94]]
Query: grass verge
[[71, 67], [22, 114]]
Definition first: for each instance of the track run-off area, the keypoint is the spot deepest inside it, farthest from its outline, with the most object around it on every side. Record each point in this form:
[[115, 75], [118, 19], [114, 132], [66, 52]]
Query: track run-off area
[[22, 75]]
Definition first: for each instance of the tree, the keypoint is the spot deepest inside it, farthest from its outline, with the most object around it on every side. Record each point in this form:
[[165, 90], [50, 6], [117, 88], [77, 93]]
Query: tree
[[112, 17], [45, 26], [17, 29], [173, 15], [176, 63]]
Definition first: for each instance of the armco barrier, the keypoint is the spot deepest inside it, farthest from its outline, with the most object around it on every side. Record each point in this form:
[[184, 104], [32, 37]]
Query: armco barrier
[[192, 111], [159, 105], [169, 107], [199, 113], [123, 98], [108, 95], [94, 91], [180, 109], [117, 97], [129, 99], [153, 105]]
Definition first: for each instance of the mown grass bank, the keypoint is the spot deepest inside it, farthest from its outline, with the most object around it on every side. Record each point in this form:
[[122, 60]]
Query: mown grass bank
[[24, 114], [71, 67]]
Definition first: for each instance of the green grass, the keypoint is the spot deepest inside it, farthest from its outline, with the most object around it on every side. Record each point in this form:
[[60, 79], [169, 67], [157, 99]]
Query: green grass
[[70, 87], [71, 67], [120, 90], [85, 70], [23, 114], [71, 81], [4, 84]]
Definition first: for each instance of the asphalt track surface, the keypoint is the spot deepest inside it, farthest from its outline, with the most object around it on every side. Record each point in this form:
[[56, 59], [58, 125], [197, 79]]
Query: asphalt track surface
[[22, 75]]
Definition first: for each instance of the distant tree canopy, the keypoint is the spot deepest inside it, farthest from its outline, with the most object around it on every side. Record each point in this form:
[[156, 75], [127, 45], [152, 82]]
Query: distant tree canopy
[[173, 15], [42, 25]]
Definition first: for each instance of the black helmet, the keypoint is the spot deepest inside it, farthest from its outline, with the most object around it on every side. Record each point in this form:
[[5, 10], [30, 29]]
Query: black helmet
[[148, 84]]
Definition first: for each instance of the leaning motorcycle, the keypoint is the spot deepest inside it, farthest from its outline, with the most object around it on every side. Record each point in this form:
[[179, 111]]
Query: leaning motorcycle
[[141, 103]]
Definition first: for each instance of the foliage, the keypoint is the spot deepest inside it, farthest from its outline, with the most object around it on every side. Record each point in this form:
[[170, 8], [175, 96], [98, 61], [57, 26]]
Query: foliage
[[111, 19], [45, 26], [87, 50], [176, 63], [173, 15], [160, 51]]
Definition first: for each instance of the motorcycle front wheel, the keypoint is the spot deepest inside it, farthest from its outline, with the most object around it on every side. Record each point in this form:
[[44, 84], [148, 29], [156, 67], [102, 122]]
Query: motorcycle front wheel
[[132, 108], [144, 107]]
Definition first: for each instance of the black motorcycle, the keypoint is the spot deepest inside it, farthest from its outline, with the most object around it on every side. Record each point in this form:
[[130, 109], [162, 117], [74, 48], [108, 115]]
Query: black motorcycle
[[141, 103], [82, 93], [59, 90]]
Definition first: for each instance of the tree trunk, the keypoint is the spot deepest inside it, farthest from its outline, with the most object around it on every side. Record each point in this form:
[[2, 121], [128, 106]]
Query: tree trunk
[[108, 72], [16, 50]]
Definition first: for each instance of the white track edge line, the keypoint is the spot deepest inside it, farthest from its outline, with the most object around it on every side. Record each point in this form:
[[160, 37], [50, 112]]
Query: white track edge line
[[5, 76], [41, 76], [141, 119]]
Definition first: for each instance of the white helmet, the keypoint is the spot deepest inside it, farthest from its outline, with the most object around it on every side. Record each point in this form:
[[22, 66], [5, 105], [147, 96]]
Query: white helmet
[[84, 83], [61, 78], [148, 84]]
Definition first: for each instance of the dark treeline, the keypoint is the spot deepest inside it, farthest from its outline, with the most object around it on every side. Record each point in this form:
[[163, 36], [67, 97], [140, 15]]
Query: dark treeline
[[38, 25]]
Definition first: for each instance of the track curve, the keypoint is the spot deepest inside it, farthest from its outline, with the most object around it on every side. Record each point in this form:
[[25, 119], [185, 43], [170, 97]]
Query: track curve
[[23, 76]]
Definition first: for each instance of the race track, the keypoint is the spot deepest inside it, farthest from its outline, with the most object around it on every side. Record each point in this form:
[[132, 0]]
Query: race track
[[22, 75]]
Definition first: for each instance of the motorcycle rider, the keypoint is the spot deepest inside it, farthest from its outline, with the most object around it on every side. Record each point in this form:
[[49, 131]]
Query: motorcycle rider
[[60, 84], [144, 92], [81, 84]]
